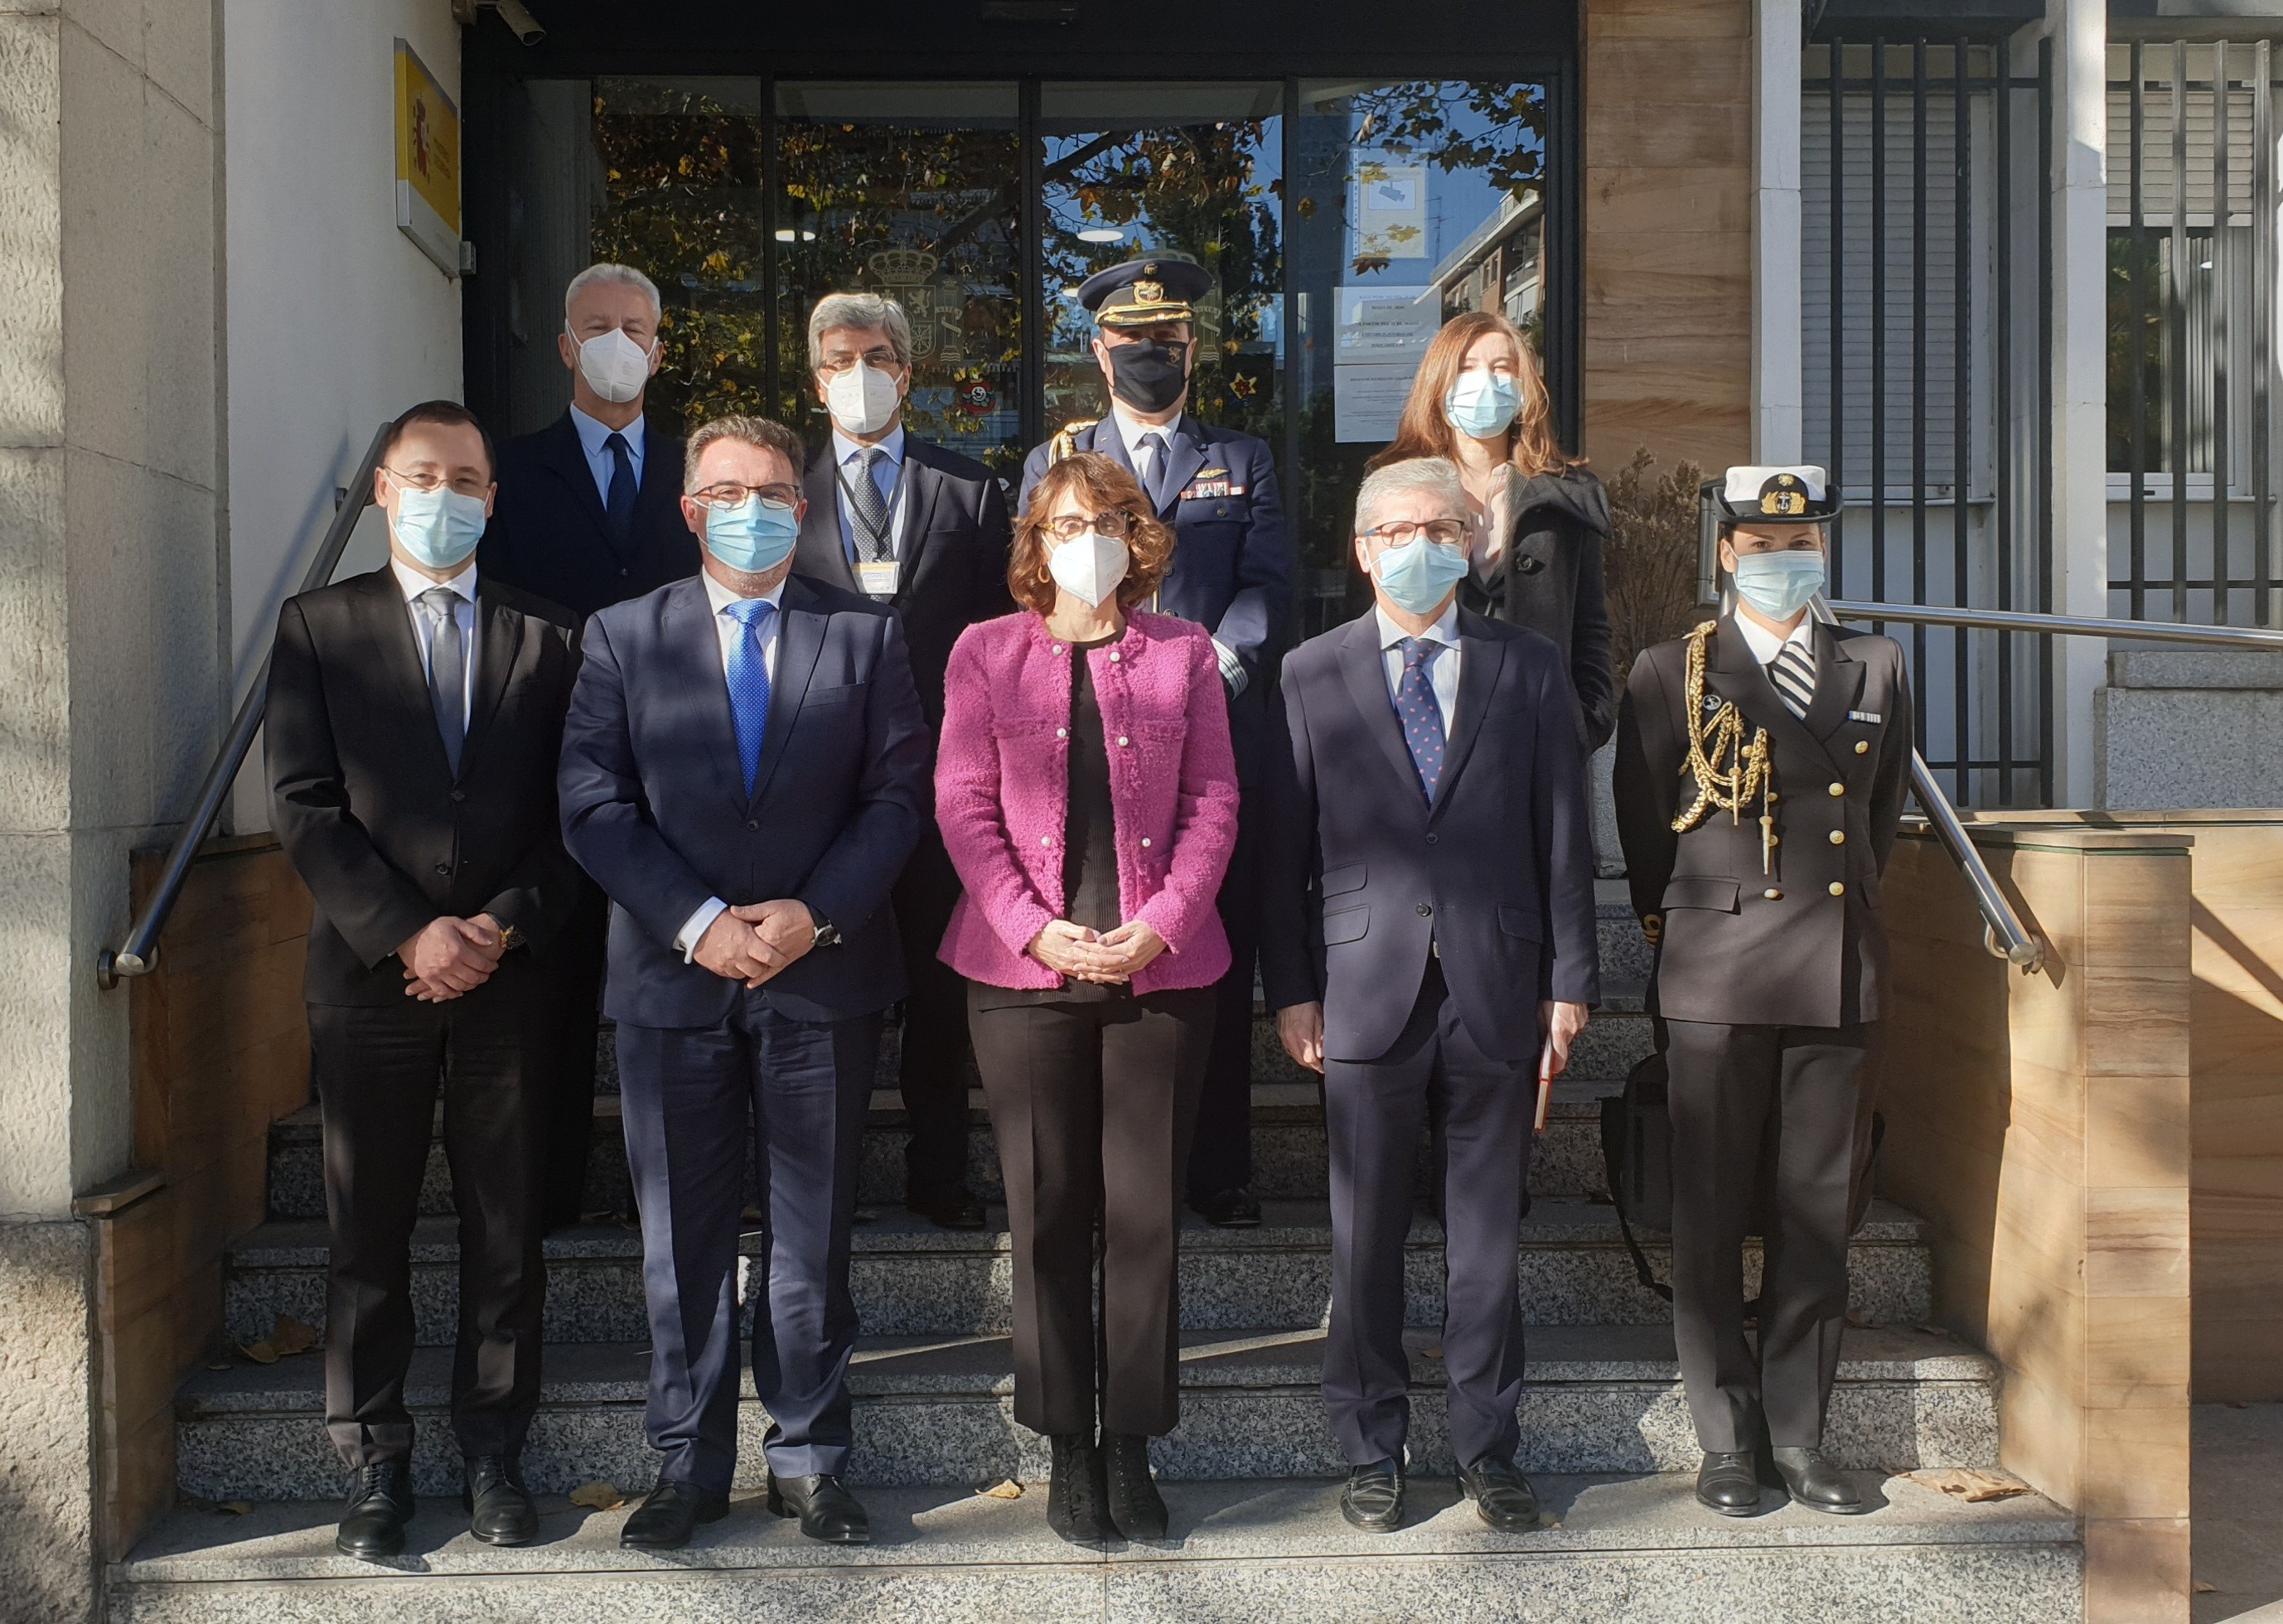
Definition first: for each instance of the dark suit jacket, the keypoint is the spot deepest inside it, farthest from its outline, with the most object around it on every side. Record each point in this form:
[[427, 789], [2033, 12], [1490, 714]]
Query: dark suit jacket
[[655, 808], [363, 798], [1775, 948], [1366, 879], [548, 534], [1549, 580], [1233, 562], [951, 554]]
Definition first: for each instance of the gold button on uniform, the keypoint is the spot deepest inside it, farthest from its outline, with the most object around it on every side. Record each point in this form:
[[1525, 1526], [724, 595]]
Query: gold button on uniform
[[1772, 895], [1839, 837], [1839, 790], [1862, 747], [1838, 889]]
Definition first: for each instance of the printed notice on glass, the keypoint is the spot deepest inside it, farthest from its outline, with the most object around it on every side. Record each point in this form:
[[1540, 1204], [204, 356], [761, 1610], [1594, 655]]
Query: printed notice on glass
[[1367, 399], [1380, 324], [1388, 197]]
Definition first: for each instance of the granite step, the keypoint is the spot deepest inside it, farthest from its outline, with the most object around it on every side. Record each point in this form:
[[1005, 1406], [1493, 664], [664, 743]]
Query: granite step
[[1623, 1549], [913, 1279], [940, 1410]]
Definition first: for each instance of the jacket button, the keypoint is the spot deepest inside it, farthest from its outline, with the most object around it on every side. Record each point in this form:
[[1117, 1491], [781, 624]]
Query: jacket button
[[1426, 910], [753, 823], [1058, 648], [1062, 733], [1773, 895], [1145, 842], [445, 869], [1113, 657], [623, 575], [1123, 741], [458, 795], [1839, 790], [1839, 837], [1045, 840], [1837, 888], [1862, 747], [1433, 837]]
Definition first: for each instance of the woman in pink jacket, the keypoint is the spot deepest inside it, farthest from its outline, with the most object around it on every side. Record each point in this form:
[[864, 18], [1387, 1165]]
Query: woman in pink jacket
[[1087, 795]]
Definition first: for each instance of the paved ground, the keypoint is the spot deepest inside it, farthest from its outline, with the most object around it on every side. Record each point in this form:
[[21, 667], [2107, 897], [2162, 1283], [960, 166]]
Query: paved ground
[[2238, 1514]]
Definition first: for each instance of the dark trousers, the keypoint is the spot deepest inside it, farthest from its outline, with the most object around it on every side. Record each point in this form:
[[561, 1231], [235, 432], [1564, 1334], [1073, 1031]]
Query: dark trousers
[[932, 1067], [378, 1071], [1093, 1105], [1373, 1114], [692, 1101], [574, 967], [1221, 1158], [1770, 1127]]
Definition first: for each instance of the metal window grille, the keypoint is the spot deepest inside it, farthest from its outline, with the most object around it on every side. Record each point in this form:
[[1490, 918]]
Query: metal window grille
[[1926, 345], [2192, 288]]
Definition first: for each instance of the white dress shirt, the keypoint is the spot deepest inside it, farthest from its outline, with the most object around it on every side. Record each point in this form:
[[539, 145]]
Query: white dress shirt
[[594, 440], [887, 479], [463, 586], [1765, 645], [726, 632], [1442, 669]]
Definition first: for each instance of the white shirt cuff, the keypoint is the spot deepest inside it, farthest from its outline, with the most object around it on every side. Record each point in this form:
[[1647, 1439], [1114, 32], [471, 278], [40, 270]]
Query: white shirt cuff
[[1232, 668], [694, 929]]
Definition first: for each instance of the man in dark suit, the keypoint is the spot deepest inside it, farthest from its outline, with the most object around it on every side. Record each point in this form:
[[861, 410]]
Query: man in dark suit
[[589, 514], [414, 720], [1760, 770], [1232, 574], [745, 772], [1430, 948], [925, 530]]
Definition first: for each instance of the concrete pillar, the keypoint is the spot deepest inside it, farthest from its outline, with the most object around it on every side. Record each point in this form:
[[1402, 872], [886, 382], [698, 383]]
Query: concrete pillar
[[2079, 30], [110, 668], [1778, 379]]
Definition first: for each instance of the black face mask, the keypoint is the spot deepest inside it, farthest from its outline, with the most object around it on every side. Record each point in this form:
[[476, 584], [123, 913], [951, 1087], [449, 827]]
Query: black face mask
[[1149, 377]]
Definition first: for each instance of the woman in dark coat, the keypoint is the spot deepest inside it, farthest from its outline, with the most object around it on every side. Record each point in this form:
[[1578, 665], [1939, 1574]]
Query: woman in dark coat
[[1540, 516]]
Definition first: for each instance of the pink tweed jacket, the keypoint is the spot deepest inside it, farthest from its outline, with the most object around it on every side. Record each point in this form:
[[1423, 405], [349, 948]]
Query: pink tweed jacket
[[1002, 793]]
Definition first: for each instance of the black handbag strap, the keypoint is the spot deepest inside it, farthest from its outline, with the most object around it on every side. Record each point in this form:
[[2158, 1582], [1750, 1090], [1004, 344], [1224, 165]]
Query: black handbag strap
[[1640, 1259]]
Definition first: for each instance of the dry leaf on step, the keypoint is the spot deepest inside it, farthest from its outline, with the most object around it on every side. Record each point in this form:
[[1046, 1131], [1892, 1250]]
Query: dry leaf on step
[[236, 1508], [290, 1336], [598, 1497], [221, 1364], [1006, 1488], [1970, 1484], [260, 1353], [2205, 1588]]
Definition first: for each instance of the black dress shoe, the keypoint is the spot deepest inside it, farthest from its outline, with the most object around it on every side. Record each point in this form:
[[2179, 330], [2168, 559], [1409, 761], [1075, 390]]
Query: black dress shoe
[[827, 1510], [1372, 1498], [1137, 1511], [1729, 1483], [1078, 1492], [1503, 1497], [670, 1515], [1237, 1208], [956, 1207], [379, 1505], [1815, 1483], [500, 1509]]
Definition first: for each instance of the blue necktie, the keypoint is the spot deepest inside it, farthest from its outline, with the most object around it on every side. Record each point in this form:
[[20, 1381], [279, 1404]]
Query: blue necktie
[[1421, 716], [749, 683], [618, 507]]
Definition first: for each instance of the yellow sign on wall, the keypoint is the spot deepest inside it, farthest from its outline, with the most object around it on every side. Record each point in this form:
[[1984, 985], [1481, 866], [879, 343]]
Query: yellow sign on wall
[[427, 162]]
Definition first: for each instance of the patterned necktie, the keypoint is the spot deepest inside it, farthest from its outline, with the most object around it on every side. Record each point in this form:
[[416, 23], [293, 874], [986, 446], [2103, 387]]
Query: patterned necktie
[[749, 683], [1421, 716], [619, 509], [870, 529], [1153, 477], [1794, 676], [447, 669]]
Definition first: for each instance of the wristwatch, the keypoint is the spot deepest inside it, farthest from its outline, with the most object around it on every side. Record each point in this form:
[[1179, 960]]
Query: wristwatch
[[827, 934]]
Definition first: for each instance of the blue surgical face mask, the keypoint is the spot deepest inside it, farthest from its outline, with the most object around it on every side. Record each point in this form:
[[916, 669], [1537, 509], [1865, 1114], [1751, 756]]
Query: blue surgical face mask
[[754, 537], [439, 528], [1482, 404], [1420, 574], [1778, 585]]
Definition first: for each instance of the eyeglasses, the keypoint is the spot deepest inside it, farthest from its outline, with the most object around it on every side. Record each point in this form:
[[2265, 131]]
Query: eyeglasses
[[466, 485], [1402, 532], [728, 494], [833, 366], [1117, 524]]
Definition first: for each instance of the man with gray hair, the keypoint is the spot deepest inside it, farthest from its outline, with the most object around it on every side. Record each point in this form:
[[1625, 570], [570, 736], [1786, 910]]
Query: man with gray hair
[[923, 530], [1429, 947], [588, 515]]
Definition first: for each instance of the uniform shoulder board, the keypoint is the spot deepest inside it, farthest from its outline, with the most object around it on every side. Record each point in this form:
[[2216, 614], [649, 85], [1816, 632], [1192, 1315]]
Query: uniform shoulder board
[[1065, 441]]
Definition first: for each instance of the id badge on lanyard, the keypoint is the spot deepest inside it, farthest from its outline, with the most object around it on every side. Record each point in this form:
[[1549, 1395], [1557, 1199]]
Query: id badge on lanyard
[[874, 577]]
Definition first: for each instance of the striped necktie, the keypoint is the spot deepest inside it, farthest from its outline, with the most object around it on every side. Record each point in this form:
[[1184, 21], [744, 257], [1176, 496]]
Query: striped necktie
[[1793, 672]]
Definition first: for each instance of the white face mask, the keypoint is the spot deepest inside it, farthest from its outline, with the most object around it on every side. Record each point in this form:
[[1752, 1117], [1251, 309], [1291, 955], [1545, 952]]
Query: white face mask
[[1089, 567], [615, 366], [862, 399]]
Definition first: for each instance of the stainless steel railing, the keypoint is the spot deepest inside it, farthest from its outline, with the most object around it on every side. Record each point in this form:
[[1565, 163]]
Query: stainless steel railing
[[138, 955]]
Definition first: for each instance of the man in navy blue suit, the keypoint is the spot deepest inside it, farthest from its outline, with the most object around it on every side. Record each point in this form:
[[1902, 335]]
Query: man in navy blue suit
[[744, 772], [1232, 574], [1430, 944]]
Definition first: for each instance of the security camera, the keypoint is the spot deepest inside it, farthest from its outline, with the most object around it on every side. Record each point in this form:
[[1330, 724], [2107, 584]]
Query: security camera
[[512, 13]]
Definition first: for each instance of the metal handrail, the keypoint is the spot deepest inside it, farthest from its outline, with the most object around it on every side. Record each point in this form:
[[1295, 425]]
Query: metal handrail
[[138, 955]]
